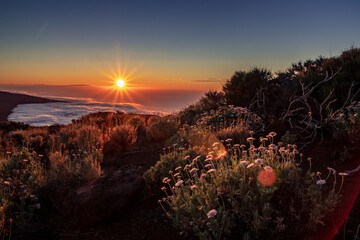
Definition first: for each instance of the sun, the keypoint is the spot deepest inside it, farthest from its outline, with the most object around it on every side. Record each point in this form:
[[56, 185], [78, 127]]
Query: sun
[[120, 83]]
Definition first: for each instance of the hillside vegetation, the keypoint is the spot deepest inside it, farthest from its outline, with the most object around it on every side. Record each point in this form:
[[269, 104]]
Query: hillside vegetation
[[242, 163]]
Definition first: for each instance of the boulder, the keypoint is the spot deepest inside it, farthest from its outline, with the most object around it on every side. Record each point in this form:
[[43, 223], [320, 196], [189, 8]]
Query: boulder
[[104, 199]]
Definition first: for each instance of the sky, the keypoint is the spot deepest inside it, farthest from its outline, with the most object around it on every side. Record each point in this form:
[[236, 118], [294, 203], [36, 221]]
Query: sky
[[181, 45]]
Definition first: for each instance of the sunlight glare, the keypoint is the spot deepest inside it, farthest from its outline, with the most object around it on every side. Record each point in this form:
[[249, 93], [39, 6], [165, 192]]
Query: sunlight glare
[[120, 83]]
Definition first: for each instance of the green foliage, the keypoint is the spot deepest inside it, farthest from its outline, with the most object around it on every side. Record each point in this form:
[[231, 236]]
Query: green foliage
[[21, 175], [166, 163], [257, 193]]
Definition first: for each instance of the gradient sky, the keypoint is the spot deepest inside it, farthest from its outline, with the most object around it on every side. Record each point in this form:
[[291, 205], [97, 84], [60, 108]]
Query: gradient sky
[[166, 44]]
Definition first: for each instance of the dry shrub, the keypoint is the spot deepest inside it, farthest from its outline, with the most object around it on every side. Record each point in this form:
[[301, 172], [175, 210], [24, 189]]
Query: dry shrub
[[121, 139], [162, 129], [238, 133], [18, 136], [82, 167], [84, 137]]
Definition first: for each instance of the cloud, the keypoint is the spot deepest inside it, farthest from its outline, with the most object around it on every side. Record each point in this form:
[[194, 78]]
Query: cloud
[[45, 114], [208, 80]]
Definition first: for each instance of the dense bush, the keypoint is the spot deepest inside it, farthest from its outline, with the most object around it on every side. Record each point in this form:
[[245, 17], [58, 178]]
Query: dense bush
[[21, 175], [121, 139], [250, 193], [162, 129], [243, 85]]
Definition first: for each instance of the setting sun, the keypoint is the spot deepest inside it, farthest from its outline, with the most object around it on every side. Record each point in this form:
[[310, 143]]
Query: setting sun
[[120, 83]]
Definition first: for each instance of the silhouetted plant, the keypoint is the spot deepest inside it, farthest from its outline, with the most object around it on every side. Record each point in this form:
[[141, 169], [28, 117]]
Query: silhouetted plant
[[243, 86]]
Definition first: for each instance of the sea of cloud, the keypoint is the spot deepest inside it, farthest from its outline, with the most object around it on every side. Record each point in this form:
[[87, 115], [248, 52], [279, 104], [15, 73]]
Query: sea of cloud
[[46, 114]]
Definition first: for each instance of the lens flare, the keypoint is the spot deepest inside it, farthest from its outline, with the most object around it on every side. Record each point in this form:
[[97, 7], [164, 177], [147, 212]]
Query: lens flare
[[266, 177]]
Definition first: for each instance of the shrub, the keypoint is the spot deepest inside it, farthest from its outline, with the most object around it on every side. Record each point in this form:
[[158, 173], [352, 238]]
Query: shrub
[[84, 137], [162, 129], [80, 167], [166, 163], [237, 134], [243, 86], [21, 175], [229, 116], [121, 139], [251, 193], [212, 100]]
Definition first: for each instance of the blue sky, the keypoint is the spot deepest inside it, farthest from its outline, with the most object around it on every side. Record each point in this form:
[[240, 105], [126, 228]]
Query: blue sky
[[166, 43]]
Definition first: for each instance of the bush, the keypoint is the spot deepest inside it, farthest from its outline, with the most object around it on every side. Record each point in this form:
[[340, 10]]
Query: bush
[[237, 134], [166, 163], [81, 167], [21, 175], [251, 193], [121, 139], [243, 86], [162, 129]]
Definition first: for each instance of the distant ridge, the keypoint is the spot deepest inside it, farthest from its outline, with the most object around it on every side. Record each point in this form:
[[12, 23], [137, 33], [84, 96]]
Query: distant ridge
[[8, 101]]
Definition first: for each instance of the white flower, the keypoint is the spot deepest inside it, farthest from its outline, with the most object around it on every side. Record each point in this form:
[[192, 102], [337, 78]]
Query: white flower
[[259, 161], [178, 168], [212, 213], [208, 165], [250, 139], [228, 140], [31, 178], [320, 182], [176, 174], [272, 134], [38, 206], [343, 174], [250, 165], [179, 183], [193, 187], [273, 146], [6, 183], [194, 170], [244, 163], [32, 195], [215, 144], [211, 170]]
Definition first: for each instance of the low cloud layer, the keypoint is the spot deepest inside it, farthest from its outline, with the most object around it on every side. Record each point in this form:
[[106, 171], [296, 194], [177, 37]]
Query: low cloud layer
[[45, 114]]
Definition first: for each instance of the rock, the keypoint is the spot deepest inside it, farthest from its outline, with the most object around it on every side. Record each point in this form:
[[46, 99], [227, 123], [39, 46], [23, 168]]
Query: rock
[[104, 199]]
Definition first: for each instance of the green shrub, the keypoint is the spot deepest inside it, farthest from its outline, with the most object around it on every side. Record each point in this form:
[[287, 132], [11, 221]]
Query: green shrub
[[21, 175], [250, 193], [166, 163]]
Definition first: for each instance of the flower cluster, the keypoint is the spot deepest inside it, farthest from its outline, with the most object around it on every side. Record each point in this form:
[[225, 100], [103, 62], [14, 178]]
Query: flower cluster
[[215, 194]]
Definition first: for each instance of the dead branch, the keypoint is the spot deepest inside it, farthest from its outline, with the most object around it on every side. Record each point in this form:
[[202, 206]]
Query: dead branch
[[306, 93]]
